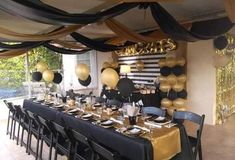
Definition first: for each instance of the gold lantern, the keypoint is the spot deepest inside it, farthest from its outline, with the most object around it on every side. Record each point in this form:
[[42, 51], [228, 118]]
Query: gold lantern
[[109, 77], [41, 66], [48, 75], [82, 71]]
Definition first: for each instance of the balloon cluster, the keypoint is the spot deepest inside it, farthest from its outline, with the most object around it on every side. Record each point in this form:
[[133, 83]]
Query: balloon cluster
[[83, 73], [45, 73], [114, 65], [172, 84]]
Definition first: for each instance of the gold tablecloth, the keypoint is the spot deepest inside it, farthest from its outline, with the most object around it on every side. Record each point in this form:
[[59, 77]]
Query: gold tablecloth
[[166, 143]]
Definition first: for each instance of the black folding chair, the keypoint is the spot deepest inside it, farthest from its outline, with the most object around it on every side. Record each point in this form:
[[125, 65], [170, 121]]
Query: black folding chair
[[10, 118], [154, 111], [179, 117], [62, 141]]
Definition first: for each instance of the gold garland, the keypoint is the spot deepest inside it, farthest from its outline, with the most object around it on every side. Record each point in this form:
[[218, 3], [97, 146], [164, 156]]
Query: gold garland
[[225, 83], [143, 48]]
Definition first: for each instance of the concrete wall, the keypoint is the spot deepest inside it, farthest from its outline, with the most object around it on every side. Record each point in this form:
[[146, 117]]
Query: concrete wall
[[201, 79]]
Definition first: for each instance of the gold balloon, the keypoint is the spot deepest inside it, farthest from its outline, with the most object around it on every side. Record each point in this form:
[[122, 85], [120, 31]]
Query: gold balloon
[[171, 79], [82, 71], [162, 62], [106, 65], [178, 87], [180, 61], [162, 79], [179, 102], [165, 87], [109, 77], [139, 65], [170, 62], [48, 75], [166, 102], [114, 64], [171, 109], [41, 66], [182, 78]]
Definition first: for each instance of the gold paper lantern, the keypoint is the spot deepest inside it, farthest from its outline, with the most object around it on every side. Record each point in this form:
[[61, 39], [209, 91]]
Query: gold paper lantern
[[41, 66], [165, 87], [171, 79], [166, 102], [48, 75], [109, 77], [170, 62], [179, 102], [180, 61], [139, 65], [162, 62], [178, 87], [114, 64], [106, 65], [82, 71], [182, 78], [162, 79]]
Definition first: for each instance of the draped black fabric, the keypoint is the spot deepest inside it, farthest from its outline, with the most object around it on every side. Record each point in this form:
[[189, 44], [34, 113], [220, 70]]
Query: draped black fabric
[[49, 15], [63, 50], [199, 31], [96, 45], [23, 45]]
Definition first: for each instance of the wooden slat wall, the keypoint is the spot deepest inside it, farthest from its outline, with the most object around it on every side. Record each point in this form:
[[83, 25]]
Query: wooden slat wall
[[148, 74]]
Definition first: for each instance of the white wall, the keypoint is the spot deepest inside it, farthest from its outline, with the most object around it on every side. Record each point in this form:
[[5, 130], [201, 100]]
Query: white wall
[[201, 82]]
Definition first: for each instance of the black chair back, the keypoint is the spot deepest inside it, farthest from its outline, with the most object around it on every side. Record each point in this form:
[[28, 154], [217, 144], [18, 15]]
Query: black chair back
[[60, 129], [114, 102], [154, 111], [79, 137], [9, 105]]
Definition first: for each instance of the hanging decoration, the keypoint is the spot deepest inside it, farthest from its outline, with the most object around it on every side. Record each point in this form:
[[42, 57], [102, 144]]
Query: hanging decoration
[[82, 71], [48, 75], [41, 67], [37, 76], [110, 78], [125, 86], [57, 78], [86, 82]]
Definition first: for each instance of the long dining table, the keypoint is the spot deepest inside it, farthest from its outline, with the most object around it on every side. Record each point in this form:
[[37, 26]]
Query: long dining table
[[163, 144]]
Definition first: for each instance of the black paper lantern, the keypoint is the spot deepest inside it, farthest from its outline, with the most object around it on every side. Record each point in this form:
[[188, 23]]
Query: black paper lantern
[[57, 78], [37, 76], [220, 42], [165, 71], [172, 95], [177, 70], [125, 87], [86, 82], [182, 94]]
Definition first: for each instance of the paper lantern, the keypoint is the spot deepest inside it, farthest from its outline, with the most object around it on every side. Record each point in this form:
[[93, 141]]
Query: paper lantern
[[57, 78], [48, 75], [41, 66], [179, 102], [182, 78], [177, 70], [139, 65], [82, 71], [220, 60], [125, 87], [109, 77], [162, 62], [114, 64], [165, 87], [106, 65], [166, 102], [221, 42], [162, 79], [170, 62], [172, 95], [37, 76], [86, 82], [165, 71], [171, 79], [180, 61], [178, 87]]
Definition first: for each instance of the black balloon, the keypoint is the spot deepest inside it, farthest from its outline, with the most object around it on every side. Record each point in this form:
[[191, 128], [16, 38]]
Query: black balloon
[[172, 95], [220, 42], [165, 71], [117, 70], [182, 94], [178, 70], [57, 78], [102, 70], [86, 82], [125, 87], [163, 94], [37, 76]]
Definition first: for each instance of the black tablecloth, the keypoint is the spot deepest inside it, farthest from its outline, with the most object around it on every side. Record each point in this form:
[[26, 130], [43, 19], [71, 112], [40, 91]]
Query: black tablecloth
[[130, 148]]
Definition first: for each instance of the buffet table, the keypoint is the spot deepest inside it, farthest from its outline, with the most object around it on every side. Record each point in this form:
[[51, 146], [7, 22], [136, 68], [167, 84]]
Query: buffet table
[[163, 144]]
